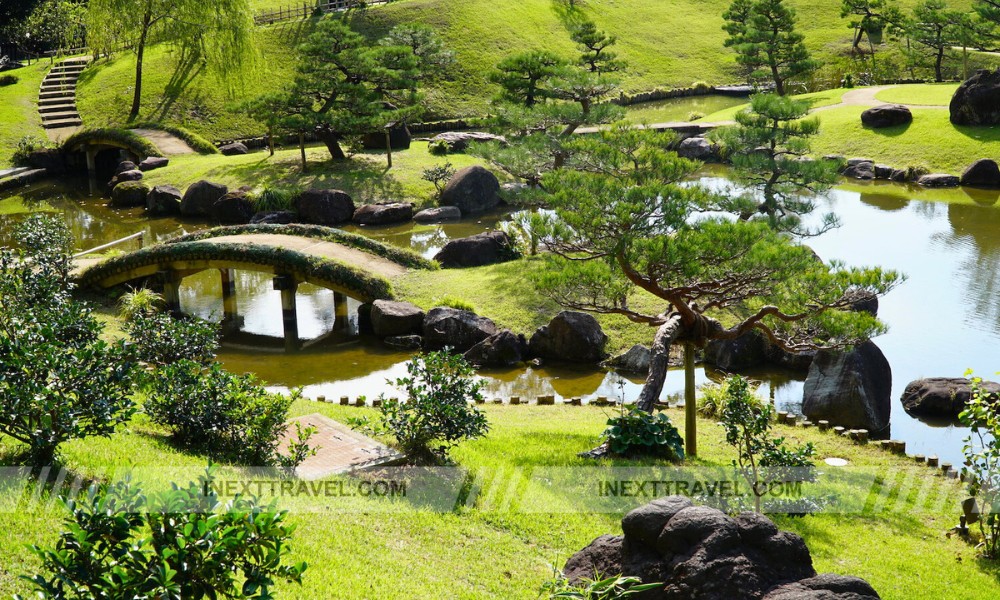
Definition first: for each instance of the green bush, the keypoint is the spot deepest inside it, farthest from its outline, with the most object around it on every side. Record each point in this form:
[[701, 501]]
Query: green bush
[[272, 198], [25, 147], [694, 115], [438, 148], [186, 544], [637, 432], [982, 463], [439, 411], [713, 399], [439, 176], [159, 339], [208, 409], [58, 379], [701, 86], [8, 79]]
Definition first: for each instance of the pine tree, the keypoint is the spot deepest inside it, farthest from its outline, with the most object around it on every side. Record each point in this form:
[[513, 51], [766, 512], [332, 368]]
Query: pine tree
[[762, 32]]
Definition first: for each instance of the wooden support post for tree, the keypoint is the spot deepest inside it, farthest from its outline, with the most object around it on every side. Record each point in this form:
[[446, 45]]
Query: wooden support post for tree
[[270, 141], [302, 149], [287, 285], [388, 148], [690, 408]]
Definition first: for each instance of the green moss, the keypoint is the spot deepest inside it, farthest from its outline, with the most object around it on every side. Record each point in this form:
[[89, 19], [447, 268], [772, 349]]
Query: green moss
[[131, 140]]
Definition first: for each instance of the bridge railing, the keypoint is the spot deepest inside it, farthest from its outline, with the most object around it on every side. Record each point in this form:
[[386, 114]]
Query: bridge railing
[[103, 247]]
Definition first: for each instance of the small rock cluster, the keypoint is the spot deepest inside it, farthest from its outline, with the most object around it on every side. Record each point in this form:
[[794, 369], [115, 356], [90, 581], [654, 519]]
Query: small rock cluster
[[700, 553], [569, 336], [984, 173]]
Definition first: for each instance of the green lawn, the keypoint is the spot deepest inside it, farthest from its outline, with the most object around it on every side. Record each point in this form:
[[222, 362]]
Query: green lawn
[[19, 109], [500, 548], [364, 176], [927, 94]]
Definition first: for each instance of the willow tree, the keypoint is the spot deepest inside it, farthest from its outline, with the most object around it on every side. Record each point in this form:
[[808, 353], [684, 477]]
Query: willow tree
[[220, 31], [640, 243]]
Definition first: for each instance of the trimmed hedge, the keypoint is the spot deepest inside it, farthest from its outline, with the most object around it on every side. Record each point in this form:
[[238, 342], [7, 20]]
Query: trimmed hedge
[[134, 142], [407, 258], [314, 268]]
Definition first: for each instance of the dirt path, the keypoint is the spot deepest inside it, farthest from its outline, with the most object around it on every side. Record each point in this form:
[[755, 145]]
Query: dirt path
[[332, 250], [168, 144]]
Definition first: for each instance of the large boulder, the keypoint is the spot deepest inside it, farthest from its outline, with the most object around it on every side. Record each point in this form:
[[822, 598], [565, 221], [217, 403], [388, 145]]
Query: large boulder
[[473, 190], [436, 215], [977, 100], [234, 208], [695, 147], [399, 139], [851, 389], [503, 349], [635, 360], [938, 180], [474, 251], [886, 115], [942, 397], [234, 149], [274, 217], [458, 141], [983, 173], [129, 194], [700, 553], [457, 329], [199, 198], [164, 200], [154, 162], [390, 318], [130, 175], [860, 170], [570, 336], [125, 165], [325, 207], [745, 352], [383, 214]]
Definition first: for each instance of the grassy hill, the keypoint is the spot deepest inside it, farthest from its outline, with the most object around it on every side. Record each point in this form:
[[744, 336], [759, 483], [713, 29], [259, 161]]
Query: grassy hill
[[667, 43], [19, 109]]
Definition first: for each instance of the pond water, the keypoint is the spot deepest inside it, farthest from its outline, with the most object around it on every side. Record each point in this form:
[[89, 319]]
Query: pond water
[[943, 320], [680, 109]]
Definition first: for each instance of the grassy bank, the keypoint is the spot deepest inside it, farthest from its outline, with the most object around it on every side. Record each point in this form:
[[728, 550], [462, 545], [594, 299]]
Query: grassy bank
[[498, 547], [19, 109], [365, 176]]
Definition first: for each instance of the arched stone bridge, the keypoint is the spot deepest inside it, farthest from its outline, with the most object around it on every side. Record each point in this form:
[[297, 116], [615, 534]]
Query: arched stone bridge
[[350, 265]]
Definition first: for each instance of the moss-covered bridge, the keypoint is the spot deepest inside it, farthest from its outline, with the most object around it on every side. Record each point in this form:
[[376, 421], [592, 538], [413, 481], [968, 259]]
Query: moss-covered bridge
[[348, 264]]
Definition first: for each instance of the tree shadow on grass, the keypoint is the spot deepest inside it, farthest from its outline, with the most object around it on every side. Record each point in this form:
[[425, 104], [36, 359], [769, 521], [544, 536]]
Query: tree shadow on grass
[[189, 66], [891, 132], [979, 133]]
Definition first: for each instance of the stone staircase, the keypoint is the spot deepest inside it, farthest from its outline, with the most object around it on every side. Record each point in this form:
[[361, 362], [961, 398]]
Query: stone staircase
[[57, 96]]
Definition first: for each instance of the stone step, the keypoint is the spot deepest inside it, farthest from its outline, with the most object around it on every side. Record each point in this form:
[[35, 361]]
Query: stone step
[[80, 60], [45, 89], [63, 67], [56, 99], [61, 116], [61, 77], [63, 123], [59, 107]]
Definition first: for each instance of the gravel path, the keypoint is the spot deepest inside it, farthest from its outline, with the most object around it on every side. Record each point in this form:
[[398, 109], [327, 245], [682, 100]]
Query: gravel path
[[167, 143]]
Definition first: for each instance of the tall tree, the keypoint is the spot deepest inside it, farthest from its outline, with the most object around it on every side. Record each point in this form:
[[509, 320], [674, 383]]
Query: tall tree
[[521, 76], [57, 24], [347, 85], [936, 28], [594, 46], [762, 32], [868, 18], [220, 30], [632, 227], [769, 149]]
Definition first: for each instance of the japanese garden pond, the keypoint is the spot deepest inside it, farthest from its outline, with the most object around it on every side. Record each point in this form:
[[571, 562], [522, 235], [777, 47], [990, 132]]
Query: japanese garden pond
[[944, 319]]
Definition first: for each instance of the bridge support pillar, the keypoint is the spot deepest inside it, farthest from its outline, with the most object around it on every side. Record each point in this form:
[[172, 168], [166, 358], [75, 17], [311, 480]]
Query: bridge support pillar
[[341, 320], [287, 285], [91, 154], [171, 290], [231, 320]]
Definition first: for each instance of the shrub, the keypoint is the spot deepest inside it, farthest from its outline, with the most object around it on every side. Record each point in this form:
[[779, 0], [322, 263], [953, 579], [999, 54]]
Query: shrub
[[437, 413], [270, 199], [762, 460], [701, 86], [982, 463], [58, 379], [26, 146], [8, 79], [211, 410], [694, 115], [637, 432], [607, 588], [439, 176], [713, 399], [187, 544], [438, 148], [160, 339]]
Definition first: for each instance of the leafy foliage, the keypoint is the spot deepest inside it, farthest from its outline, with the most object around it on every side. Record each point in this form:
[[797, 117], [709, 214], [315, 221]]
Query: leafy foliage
[[439, 176], [982, 462], [160, 339], [637, 432], [8, 79], [58, 379], [185, 543], [436, 413], [935, 28], [769, 150], [615, 587], [225, 415], [530, 229], [57, 24], [762, 460], [27, 145]]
